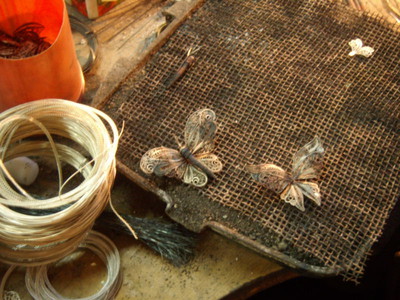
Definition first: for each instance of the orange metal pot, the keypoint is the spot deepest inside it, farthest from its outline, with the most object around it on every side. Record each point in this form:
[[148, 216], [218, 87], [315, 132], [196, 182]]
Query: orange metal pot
[[54, 73]]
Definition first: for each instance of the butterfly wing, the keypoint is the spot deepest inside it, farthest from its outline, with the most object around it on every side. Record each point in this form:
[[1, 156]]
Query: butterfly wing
[[271, 176], [210, 161], [307, 165], [194, 176], [293, 195], [200, 131], [366, 51], [355, 46], [307, 162], [163, 161], [310, 190]]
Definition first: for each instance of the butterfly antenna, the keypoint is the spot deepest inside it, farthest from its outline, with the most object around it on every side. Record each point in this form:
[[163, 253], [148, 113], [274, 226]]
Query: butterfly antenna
[[193, 50], [177, 141]]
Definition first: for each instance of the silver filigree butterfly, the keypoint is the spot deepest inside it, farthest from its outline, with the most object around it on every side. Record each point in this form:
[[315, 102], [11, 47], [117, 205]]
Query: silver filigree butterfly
[[306, 167], [357, 48], [193, 163]]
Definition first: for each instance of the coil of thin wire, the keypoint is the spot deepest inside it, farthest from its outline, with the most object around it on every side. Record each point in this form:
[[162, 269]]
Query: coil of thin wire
[[27, 240], [39, 286]]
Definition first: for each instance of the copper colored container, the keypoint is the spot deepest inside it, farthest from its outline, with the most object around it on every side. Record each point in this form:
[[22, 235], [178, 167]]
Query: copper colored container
[[55, 72]]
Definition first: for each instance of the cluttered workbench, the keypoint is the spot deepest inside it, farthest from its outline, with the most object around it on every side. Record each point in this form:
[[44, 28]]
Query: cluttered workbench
[[112, 47], [220, 267]]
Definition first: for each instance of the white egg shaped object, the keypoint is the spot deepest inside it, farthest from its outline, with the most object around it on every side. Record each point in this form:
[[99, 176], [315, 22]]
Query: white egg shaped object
[[23, 169]]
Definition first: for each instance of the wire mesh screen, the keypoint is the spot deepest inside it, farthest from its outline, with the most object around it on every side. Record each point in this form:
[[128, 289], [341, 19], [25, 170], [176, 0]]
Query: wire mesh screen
[[278, 73]]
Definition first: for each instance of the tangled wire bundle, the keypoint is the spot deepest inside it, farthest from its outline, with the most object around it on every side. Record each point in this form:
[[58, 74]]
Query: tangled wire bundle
[[47, 128], [25, 41]]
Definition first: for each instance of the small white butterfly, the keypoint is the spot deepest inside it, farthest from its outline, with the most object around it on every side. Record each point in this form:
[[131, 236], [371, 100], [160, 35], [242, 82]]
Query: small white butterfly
[[194, 162], [357, 48], [307, 165]]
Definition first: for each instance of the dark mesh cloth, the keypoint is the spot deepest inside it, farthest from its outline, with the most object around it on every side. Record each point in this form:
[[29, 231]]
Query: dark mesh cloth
[[277, 73]]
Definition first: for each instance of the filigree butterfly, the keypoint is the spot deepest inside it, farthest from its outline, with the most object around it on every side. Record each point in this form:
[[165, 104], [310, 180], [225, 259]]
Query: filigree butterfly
[[357, 48], [193, 163], [306, 167]]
